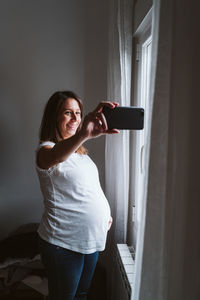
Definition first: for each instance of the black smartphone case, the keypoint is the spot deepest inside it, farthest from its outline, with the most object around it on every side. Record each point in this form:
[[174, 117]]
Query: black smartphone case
[[124, 117]]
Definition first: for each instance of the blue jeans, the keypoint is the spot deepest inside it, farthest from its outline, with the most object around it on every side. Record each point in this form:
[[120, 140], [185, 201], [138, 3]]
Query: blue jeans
[[69, 273]]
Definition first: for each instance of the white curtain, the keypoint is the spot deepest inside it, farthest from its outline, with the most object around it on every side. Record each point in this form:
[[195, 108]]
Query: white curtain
[[119, 86], [167, 259], [117, 146]]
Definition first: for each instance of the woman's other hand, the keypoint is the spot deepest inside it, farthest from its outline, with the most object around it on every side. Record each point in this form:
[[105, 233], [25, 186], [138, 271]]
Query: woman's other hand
[[95, 124]]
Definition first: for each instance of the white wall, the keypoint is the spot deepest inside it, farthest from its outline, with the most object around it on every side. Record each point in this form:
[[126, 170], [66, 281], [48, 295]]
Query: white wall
[[45, 46]]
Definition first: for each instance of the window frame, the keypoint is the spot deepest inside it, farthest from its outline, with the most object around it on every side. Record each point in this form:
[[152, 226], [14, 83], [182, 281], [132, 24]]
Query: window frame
[[141, 35]]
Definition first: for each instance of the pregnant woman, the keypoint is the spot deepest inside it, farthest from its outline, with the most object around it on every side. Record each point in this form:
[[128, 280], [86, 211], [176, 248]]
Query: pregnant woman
[[76, 215]]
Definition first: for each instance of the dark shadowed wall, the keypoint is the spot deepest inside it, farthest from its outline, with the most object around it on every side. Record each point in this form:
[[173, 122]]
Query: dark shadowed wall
[[45, 46]]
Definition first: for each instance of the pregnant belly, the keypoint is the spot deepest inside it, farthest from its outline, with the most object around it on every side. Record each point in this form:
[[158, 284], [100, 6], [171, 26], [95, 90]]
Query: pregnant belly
[[82, 216], [95, 214]]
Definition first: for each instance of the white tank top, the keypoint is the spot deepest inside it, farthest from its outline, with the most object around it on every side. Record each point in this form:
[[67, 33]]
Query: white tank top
[[76, 212]]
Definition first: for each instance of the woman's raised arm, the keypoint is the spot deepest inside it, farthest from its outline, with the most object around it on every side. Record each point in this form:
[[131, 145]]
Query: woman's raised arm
[[94, 125]]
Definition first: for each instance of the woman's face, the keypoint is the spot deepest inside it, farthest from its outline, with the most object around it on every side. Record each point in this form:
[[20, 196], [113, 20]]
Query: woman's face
[[69, 118]]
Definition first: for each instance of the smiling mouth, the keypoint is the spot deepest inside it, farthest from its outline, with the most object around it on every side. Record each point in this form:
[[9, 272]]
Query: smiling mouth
[[73, 127]]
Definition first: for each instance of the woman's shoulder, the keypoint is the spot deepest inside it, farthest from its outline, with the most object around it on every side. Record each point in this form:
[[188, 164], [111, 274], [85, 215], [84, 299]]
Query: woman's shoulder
[[41, 153], [43, 144]]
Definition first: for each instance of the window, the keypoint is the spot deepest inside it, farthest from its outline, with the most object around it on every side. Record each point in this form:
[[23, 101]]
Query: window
[[141, 78]]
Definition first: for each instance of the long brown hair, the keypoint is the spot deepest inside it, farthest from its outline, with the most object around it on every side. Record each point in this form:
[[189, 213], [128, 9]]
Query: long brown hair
[[48, 127]]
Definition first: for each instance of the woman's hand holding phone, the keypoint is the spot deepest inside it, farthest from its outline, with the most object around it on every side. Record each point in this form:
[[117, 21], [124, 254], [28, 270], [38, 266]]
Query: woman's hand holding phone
[[95, 123]]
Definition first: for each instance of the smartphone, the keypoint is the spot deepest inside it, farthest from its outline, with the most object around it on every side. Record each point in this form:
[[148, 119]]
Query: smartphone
[[124, 117]]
